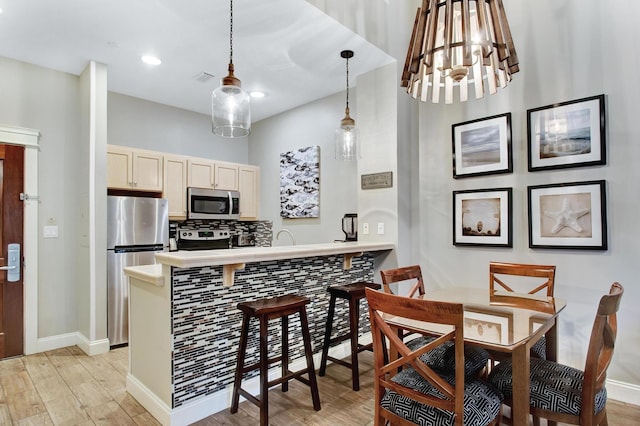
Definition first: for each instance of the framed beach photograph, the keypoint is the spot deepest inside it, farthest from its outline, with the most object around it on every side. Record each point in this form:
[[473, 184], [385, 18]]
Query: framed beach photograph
[[568, 215], [568, 134], [482, 147], [482, 217]]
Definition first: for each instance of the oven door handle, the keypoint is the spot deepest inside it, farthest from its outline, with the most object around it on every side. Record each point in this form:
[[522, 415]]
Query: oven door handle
[[230, 203]]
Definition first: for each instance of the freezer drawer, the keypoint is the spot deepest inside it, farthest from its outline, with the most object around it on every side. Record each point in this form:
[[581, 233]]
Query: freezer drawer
[[118, 292]]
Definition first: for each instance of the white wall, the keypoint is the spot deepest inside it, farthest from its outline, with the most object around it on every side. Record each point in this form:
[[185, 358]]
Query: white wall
[[567, 50], [311, 124]]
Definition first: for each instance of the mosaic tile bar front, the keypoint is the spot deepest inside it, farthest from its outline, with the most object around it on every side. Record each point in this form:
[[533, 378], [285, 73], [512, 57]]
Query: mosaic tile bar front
[[206, 323]]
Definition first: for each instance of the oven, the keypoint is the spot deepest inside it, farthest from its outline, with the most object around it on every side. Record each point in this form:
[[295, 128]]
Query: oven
[[203, 239]]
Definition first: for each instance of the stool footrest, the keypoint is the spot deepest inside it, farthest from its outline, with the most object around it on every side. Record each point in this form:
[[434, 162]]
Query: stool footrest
[[290, 376], [249, 397], [255, 366]]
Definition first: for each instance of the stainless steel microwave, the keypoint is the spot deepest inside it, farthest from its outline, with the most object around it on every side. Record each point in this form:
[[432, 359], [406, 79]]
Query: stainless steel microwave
[[212, 204]]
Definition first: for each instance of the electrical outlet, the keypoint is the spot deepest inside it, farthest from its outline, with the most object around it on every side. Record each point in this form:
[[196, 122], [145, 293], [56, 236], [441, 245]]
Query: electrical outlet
[[365, 228], [380, 228], [50, 231]]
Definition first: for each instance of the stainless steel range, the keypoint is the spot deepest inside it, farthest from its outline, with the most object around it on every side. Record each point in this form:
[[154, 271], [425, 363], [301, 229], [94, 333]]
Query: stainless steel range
[[203, 239]]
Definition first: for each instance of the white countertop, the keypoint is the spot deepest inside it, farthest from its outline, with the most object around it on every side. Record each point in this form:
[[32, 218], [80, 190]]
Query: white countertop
[[191, 259]]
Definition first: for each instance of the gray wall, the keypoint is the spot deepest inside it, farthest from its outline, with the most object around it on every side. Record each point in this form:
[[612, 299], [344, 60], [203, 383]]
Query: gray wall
[[311, 124], [147, 125], [49, 101]]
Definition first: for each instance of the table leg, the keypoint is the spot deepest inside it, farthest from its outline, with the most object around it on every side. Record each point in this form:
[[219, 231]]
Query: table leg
[[520, 372], [551, 340]]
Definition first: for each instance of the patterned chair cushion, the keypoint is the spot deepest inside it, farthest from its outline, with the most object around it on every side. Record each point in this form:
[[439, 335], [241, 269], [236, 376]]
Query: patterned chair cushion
[[539, 349], [481, 401], [442, 358], [554, 387]]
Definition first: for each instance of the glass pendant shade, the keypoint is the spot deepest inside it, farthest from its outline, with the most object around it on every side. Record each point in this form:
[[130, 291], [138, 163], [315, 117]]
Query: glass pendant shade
[[348, 140], [231, 109]]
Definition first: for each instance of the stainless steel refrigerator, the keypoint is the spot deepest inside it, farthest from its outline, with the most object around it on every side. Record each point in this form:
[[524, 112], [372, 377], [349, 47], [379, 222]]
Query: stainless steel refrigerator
[[137, 228]]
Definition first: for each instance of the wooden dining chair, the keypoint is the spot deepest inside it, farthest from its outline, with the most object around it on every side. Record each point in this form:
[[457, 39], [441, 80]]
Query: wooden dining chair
[[523, 286], [419, 393], [565, 394], [476, 358]]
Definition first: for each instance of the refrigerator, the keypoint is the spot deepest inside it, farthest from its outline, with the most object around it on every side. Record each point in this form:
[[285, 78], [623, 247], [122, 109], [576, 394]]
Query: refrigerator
[[137, 228]]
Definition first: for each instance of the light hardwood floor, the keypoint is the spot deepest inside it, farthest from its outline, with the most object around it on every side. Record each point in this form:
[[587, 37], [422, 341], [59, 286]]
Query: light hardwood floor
[[66, 387]]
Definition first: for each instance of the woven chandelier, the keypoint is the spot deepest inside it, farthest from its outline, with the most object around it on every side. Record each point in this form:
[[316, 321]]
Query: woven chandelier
[[456, 44]]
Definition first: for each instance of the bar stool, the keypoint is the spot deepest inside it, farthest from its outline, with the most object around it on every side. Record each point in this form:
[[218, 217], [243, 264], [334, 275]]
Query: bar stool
[[352, 293], [264, 310]]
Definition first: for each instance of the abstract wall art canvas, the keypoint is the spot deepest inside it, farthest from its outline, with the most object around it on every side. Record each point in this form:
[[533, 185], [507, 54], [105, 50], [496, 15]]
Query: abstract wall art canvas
[[300, 183]]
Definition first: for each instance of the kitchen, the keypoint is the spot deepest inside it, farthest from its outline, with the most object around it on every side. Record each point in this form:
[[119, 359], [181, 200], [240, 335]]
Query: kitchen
[[416, 211]]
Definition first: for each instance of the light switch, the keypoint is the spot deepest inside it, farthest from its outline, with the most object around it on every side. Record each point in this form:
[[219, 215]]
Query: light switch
[[380, 228], [51, 231], [365, 228]]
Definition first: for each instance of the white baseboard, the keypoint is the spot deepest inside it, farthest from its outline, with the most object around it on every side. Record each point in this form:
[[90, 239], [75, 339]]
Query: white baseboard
[[91, 348], [624, 392]]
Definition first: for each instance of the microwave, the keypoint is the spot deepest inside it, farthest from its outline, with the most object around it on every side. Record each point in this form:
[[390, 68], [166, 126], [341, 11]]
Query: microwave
[[212, 204]]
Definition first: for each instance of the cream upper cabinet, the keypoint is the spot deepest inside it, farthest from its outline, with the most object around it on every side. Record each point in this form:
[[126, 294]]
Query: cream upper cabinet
[[203, 173], [200, 173], [129, 168], [226, 176], [175, 185], [249, 184]]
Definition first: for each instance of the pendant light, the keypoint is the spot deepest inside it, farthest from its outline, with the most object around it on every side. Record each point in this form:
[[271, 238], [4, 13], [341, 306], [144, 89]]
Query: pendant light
[[230, 108], [347, 135], [456, 43]]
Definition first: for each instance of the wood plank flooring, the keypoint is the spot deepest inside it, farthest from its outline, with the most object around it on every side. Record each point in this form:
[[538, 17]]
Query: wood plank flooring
[[67, 387]]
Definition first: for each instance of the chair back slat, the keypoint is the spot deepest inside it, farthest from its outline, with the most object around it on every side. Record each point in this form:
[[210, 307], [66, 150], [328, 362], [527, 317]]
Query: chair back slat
[[411, 274], [601, 346], [506, 293], [386, 311]]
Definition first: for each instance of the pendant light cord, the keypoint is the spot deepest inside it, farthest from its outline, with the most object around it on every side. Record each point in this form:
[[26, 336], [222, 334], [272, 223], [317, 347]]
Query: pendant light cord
[[347, 83], [231, 33]]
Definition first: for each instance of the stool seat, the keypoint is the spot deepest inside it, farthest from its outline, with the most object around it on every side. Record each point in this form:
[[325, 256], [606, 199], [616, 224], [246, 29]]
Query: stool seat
[[355, 290], [352, 293], [265, 310], [274, 307]]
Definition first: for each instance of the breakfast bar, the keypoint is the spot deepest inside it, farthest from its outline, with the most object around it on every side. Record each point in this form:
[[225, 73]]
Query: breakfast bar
[[184, 326]]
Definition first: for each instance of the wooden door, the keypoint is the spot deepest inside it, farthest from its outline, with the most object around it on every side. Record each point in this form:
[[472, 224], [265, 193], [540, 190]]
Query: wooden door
[[11, 225]]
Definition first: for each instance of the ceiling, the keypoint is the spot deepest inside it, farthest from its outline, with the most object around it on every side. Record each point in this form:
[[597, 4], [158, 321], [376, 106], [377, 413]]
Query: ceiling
[[287, 48]]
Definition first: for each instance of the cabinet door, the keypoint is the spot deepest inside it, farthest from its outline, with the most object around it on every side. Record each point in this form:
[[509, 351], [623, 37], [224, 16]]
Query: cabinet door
[[147, 171], [226, 176], [200, 173], [119, 168], [249, 184], [175, 186]]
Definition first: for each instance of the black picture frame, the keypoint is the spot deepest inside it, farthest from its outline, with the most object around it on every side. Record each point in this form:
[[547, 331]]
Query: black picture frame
[[568, 215], [483, 217], [567, 134], [482, 146]]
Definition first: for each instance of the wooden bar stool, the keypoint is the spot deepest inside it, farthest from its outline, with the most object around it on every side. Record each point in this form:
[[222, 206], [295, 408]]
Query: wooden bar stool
[[264, 310], [352, 293]]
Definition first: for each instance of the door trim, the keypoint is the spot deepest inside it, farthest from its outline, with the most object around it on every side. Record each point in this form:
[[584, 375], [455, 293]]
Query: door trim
[[28, 138]]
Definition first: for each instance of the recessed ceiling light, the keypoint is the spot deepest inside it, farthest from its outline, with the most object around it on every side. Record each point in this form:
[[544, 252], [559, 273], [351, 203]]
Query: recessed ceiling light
[[256, 94], [151, 60]]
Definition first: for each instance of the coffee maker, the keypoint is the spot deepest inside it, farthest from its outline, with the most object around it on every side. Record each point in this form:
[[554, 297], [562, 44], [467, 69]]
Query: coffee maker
[[350, 226]]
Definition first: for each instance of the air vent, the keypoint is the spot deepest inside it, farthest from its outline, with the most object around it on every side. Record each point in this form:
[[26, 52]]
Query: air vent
[[203, 77]]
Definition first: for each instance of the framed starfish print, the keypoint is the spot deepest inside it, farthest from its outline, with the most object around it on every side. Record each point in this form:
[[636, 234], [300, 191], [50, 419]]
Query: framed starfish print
[[568, 216]]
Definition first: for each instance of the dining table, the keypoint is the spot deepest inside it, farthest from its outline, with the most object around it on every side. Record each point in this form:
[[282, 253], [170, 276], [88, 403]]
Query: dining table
[[501, 325]]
